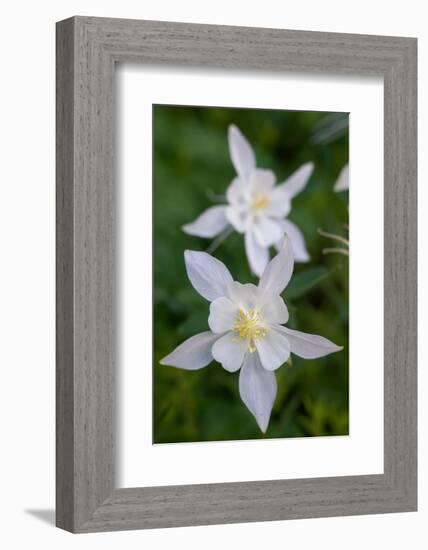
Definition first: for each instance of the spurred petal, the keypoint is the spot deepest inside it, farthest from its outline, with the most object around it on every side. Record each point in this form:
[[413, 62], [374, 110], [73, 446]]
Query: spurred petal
[[278, 271], [223, 313], [298, 180], [266, 231], [209, 224], [192, 354], [208, 275], [297, 240], [308, 346], [273, 309], [241, 152], [257, 255], [257, 387], [229, 351], [342, 182], [273, 349]]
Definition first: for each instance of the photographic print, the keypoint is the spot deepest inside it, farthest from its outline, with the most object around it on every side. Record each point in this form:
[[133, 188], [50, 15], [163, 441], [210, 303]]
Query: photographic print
[[251, 248]]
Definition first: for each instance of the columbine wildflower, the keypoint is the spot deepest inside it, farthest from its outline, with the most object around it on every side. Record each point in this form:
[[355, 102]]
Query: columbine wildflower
[[246, 328], [256, 207]]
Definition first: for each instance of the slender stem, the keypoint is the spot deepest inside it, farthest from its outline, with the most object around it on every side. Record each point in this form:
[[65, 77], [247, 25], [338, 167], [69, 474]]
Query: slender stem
[[335, 237], [219, 240], [215, 198], [343, 251]]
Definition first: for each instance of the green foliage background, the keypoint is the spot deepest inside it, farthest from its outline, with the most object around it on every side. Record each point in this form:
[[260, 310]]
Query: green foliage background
[[191, 166]]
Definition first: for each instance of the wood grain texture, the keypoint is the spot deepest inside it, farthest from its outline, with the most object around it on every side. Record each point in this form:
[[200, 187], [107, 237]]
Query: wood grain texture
[[87, 50]]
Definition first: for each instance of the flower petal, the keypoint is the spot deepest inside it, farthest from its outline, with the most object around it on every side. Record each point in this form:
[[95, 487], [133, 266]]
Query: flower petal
[[298, 179], [257, 256], [273, 309], [237, 192], [229, 350], [209, 224], [297, 240], [278, 271], [222, 316], [273, 349], [208, 275], [262, 180], [280, 204], [342, 182], [241, 152], [308, 346], [192, 354], [257, 387], [243, 296], [237, 218], [266, 231]]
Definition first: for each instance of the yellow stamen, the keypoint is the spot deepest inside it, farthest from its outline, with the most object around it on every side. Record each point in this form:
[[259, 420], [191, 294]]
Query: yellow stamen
[[260, 202], [249, 328]]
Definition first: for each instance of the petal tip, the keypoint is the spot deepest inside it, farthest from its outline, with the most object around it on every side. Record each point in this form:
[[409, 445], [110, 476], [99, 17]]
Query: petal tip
[[335, 348], [263, 424]]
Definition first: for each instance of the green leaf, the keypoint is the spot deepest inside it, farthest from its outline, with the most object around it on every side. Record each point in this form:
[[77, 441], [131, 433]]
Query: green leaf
[[305, 281]]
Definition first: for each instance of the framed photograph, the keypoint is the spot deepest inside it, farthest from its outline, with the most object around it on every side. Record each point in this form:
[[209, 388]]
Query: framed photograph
[[236, 274]]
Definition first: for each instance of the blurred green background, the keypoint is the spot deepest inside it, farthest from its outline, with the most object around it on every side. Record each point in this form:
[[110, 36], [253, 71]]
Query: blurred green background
[[192, 169]]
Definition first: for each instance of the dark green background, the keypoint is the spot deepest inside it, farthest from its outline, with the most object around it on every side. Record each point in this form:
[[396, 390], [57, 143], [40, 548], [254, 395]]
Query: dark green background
[[191, 166]]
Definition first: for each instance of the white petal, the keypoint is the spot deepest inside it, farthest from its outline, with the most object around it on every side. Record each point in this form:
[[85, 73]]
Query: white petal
[[222, 316], [238, 218], [229, 350], [237, 192], [257, 256], [262, 180], [308, 346], [273, 349], [298, 179], [278, 271], [280, 204], [243, 296], [274, 309], [266, 231], [342, 182], [208, 275], [192, 354], [297, 240], [209, 224], [241, 152], [257, 387]]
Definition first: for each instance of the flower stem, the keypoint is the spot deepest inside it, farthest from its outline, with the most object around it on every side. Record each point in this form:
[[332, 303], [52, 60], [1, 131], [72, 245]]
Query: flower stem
[[338, 250], [333, 236], [219, 240], [215, 198]]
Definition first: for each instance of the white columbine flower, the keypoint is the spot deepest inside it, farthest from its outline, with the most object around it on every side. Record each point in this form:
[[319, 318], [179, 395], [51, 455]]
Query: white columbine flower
[[246, 328], [256, 207], [342, 182]]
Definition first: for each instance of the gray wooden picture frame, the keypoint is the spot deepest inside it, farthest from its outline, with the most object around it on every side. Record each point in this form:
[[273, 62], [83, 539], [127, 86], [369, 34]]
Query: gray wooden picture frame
[[87, 50]]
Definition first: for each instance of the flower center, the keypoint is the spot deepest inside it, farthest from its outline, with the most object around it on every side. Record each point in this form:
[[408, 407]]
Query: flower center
[[260, 201], [248, 327]]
